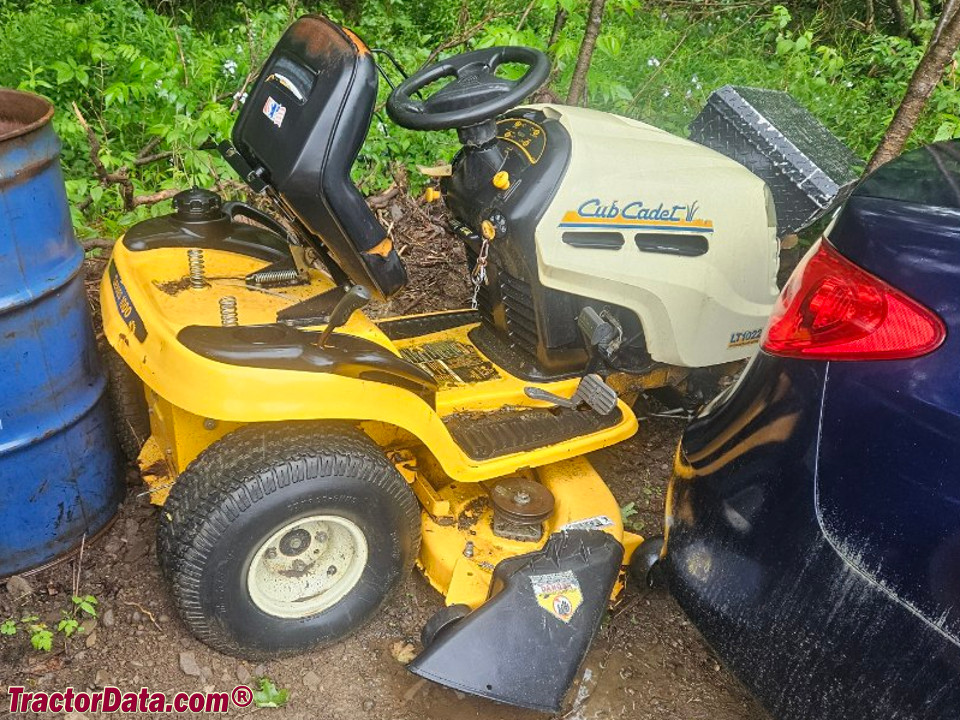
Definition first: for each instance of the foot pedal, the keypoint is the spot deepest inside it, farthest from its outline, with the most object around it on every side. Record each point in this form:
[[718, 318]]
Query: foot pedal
[[592, 390]]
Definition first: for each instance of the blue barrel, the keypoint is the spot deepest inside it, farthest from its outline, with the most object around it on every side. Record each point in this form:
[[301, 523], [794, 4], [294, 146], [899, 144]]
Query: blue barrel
[[60, 470]]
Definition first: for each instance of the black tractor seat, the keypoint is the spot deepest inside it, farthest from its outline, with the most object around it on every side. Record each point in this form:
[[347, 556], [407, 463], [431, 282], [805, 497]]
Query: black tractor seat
[[300, 131]]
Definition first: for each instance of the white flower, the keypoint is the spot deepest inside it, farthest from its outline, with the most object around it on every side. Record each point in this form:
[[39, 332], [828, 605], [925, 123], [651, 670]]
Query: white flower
[[653, 62], [242, 97], [230, 67], [849, 83], [666, 92]]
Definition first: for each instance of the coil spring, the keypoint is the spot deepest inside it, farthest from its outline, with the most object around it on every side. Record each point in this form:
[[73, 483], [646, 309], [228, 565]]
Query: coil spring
[[197, 276], [228, 311], [274, 277]]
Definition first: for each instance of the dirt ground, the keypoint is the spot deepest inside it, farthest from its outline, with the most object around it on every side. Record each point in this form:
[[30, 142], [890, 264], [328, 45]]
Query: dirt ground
[[647, 662]]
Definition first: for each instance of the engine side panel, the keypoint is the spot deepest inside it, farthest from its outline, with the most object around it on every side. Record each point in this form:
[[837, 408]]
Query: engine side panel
[[698, 252]]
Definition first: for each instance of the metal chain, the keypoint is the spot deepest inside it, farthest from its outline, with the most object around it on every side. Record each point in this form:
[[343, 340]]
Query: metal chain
[[480, 272]]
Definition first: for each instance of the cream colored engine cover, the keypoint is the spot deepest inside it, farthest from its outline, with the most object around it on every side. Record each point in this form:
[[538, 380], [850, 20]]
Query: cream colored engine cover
[[629, 177]]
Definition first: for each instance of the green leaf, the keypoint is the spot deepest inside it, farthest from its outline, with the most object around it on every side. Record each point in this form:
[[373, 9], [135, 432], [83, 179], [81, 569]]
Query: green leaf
[[609, 44], [947, 130], [268, 696], [64, 72], [628, 511], [8, 627], [86, 603], [42, 639], [68, 626]]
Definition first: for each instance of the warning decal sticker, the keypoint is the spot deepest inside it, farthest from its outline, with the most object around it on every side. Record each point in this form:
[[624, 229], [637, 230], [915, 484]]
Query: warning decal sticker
[[597, 522], [451, 363], [558, 593]]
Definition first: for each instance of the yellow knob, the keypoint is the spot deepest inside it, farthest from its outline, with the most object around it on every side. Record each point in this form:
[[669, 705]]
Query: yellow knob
[[501, 180], [431, 194], [487, 230]]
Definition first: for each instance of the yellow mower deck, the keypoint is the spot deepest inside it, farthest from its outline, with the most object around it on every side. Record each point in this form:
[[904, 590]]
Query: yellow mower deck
[[193, 401]]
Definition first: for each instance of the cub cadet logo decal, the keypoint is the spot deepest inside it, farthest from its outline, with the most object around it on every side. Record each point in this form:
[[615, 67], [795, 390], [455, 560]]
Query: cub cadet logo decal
[[669, 218], [739, 339], [125, 305], [275, 111], [558, 593]]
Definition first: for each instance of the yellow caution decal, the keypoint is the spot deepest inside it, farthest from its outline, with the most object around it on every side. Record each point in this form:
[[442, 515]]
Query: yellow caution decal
[[558, 593]]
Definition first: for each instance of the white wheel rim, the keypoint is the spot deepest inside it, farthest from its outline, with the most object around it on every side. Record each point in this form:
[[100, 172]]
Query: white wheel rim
[[307, 566]]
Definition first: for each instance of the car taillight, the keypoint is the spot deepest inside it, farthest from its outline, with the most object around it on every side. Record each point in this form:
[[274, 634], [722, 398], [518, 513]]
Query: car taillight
[[831, 309]]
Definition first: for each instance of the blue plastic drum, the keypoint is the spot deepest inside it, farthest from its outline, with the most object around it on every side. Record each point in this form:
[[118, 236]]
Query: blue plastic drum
[[60, 469]]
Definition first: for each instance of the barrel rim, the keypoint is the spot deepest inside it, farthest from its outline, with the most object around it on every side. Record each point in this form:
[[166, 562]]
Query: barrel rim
[[18, 100]]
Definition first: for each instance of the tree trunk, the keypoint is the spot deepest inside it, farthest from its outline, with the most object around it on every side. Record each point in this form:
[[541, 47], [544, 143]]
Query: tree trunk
[[929, 73], [871, 22], [559, 20], [900, 17], [578, 85]]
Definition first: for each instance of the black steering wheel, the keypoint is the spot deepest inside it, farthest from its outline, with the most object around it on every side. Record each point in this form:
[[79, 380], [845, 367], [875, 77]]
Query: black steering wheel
[[476, 94]]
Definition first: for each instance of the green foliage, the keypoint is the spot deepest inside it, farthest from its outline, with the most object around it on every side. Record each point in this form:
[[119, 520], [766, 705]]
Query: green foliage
[[268, 696], [41, 636], [86, 604], [68, 625], [158, 79]]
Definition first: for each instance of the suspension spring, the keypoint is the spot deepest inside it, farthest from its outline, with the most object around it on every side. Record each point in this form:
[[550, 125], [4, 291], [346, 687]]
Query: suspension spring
[[274, 277], [228, 311], [198, 280]]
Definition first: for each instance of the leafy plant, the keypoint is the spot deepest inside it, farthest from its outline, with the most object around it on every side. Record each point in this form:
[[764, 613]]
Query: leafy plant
[[86, 604], [68, 625], [41, 636], [268, 696]]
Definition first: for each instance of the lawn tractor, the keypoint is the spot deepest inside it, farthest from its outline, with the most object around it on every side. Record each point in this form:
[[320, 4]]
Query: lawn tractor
[[307, 456]]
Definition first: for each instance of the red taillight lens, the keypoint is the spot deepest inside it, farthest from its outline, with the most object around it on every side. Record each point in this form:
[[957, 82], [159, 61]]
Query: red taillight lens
[[831, 309]]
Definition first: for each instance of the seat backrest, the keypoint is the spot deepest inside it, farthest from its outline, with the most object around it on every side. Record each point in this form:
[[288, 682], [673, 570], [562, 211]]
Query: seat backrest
[[301, 129]]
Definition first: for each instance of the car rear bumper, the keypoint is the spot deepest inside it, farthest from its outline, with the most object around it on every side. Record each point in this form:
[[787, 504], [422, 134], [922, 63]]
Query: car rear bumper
[[746, 558]]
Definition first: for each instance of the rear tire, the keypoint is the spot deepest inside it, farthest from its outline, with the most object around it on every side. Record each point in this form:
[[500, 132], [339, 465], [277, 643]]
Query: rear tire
[[280, 538], [130, 418]]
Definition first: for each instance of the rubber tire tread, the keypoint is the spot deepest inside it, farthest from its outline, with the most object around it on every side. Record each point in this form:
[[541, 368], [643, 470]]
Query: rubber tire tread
[[240, 469], [130, 417]]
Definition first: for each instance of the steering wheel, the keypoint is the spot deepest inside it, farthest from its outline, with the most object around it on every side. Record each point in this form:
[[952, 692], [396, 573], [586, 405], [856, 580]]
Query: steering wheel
[[475, 95]]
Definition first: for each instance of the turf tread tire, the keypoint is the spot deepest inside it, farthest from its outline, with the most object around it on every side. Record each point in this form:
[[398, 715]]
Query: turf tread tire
[[130, 417], [240, 470]]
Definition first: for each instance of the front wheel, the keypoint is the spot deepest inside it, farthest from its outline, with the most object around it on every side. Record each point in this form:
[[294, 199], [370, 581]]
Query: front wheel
[[281, 538]]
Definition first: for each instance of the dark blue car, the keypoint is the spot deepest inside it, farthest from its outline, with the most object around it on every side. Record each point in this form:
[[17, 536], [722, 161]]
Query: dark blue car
[[813, 520]]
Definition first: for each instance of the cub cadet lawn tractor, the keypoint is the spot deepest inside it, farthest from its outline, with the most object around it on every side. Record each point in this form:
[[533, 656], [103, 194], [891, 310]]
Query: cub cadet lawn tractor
[[307, 456]]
